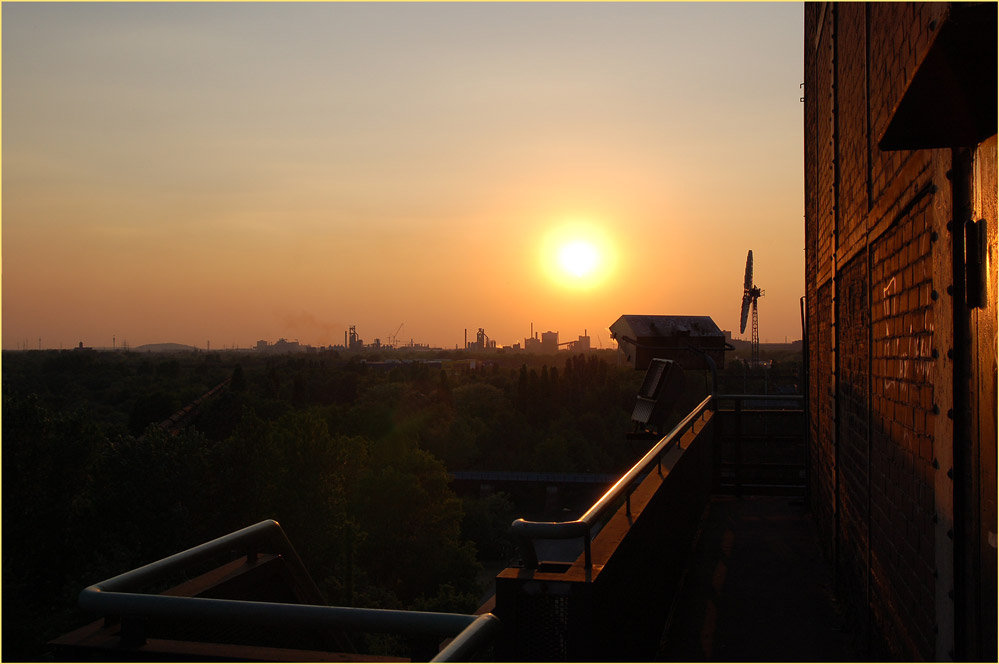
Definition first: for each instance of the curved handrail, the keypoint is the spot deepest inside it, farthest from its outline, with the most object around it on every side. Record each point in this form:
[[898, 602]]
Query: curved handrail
[[249, 539], [118, 596], [482, 630], [528, 531]]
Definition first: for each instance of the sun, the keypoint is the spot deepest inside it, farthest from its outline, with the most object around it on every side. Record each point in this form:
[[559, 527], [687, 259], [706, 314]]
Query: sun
[[577, 256]]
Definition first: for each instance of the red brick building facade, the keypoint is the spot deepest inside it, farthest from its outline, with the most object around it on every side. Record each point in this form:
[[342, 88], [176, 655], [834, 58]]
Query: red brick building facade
[[900, 243]]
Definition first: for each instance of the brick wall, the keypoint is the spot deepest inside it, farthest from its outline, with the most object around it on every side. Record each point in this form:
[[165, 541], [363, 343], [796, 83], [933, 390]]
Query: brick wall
[[879, 324], [811, 224], [851, 111], [901, 441], [822, 93], [822, 459], [985, 326], [852, 399]]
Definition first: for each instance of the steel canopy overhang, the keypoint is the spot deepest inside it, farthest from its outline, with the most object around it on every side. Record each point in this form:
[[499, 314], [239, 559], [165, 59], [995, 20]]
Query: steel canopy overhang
[[951, 99]]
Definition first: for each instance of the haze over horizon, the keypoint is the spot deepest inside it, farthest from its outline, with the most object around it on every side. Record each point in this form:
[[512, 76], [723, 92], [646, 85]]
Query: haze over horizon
[[186, 172]]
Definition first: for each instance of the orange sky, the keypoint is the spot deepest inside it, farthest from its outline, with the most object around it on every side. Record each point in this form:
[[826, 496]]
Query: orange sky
[[233, 172]]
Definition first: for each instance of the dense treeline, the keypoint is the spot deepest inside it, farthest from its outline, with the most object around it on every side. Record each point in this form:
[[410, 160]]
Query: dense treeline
[[350, 457]]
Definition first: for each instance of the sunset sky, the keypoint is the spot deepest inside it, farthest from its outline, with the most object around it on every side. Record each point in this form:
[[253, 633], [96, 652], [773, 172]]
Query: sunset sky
[[195, 172]]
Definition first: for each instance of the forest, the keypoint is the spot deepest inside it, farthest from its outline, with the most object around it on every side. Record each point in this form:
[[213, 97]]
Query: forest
[[351, 455]]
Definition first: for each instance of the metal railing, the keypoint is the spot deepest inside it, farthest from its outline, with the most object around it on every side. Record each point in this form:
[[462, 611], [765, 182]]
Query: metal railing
[[119, 596], [525, 532], [738, 398], [765, 404]]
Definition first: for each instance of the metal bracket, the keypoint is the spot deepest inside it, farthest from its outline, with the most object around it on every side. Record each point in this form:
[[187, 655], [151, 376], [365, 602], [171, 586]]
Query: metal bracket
[[976, 263]]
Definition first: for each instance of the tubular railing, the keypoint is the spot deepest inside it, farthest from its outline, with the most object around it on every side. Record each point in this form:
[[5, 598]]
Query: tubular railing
[[118, 596], [525, 532]]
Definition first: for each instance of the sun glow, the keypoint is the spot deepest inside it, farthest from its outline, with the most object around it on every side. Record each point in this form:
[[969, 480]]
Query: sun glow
[[577, 256]]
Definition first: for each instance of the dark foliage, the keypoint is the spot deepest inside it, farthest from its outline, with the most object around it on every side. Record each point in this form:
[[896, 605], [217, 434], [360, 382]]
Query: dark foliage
[[351, 459]]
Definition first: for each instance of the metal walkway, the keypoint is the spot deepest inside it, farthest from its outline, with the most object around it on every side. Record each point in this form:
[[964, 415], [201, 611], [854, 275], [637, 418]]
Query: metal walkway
[[756, 589]]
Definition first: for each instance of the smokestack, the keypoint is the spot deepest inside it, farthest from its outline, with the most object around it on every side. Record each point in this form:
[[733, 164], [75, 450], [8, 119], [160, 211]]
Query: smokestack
[[466, 338], [532, 329], [345, 338]]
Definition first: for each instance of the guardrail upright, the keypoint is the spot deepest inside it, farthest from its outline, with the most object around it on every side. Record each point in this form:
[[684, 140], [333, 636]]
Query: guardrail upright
[[739, 432]]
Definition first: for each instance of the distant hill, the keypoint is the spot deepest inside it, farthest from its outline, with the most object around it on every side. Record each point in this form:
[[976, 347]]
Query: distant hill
[[163, 348]]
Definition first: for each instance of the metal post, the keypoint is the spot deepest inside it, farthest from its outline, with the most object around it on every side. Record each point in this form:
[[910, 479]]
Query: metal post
[[716, 450], [528, 554], [738, 447]]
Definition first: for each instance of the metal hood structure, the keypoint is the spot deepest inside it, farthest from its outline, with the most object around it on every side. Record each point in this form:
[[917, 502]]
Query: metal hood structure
[[683, 339]]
